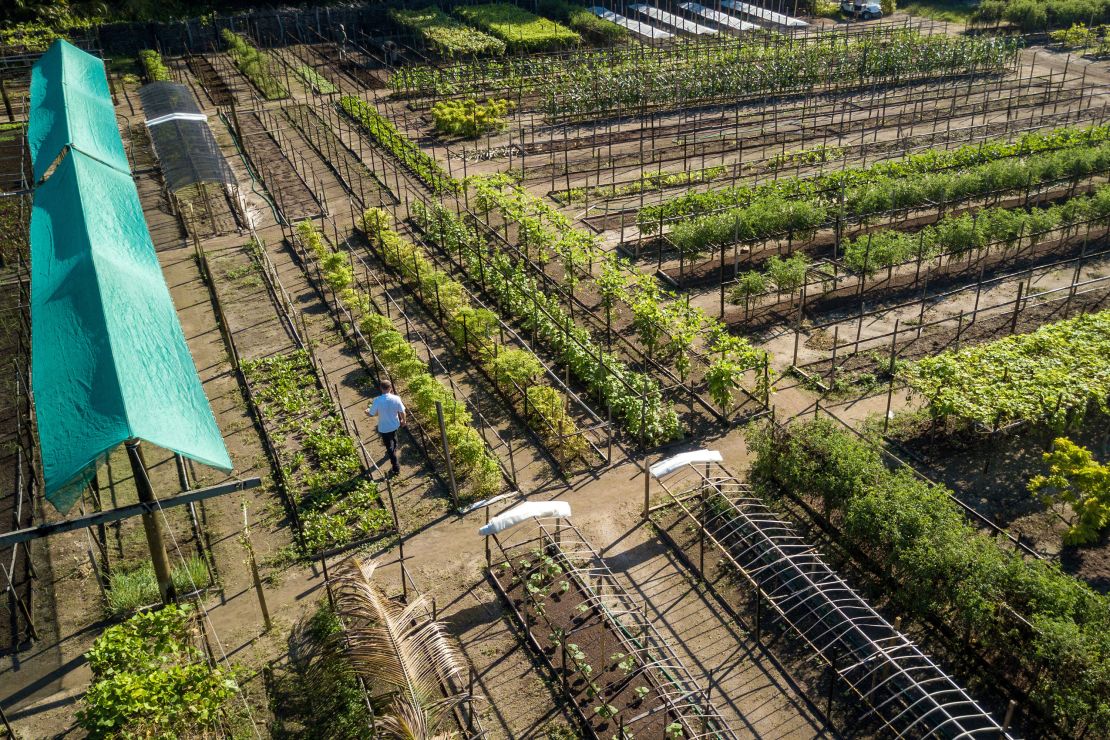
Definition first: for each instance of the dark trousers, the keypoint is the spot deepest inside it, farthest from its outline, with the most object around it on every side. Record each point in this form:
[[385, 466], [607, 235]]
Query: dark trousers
[[389, 439]]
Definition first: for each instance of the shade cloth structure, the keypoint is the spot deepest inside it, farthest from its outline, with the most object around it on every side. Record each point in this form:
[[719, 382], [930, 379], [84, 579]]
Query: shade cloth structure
[[182, 140], [109, 358], [523, 512], [71, 106]]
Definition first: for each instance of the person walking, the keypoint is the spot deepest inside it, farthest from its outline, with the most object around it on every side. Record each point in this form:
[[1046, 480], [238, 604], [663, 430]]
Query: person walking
[[390, 411]]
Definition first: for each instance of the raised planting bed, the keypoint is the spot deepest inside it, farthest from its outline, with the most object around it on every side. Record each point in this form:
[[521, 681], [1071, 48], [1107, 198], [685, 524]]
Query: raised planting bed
[[616, 671]]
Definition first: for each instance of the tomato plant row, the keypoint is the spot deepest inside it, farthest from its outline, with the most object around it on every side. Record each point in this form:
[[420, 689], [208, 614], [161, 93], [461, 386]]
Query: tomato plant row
[[634, 398], [830, 184], [1011, 227], [476, 468], [668, 328], [949, 572], [517, 372], [776, 215], [598, 81]]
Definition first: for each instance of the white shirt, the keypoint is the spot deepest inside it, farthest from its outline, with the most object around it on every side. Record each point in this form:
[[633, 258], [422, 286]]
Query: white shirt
[[388, 408]]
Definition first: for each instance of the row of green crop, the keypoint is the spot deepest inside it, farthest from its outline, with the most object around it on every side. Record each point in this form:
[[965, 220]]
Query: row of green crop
[[948, 571], [517, 372], [477, 470], [830, 184], [601, 80], [634, 398], [646, 183], [780, 216], [519, 29], [1034, 16], [254, 64], [583, 21], [752, 70], [668, 328], [315, 80], [336, 504], [153, 67], [969, 231], [445, 34], [423, 165], [1051, 376]]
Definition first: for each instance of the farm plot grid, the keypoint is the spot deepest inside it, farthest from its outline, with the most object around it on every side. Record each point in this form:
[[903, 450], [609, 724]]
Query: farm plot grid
[[573, 261]]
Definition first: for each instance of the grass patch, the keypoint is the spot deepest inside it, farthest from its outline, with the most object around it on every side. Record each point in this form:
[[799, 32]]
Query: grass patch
[[953, 11], [127, 591]]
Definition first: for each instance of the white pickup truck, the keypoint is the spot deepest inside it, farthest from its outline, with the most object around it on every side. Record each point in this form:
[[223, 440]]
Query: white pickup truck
[[862, 9]]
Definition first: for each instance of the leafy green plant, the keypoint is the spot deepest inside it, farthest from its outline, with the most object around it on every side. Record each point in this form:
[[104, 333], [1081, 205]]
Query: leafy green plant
[[607, 711], [153, 67], [254, 64], [149, 681], [1049, 376], [423, 165], [674, 730], [469, 118], [519, 29], [1075, 478], [1025, 611], [315, 80], [583, 21], [516, 371], [445, 34]]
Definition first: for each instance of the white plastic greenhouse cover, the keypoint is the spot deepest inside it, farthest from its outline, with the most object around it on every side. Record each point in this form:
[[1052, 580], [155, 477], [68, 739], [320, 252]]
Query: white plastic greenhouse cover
[[525, 511], [671, 464]]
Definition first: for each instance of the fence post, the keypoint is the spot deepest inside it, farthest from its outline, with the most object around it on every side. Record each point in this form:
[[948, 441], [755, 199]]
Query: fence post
[[447, 454]]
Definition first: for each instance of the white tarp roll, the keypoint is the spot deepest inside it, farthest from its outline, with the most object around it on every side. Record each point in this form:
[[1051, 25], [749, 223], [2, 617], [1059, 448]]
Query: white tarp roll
[[527, 510], [671, 464]]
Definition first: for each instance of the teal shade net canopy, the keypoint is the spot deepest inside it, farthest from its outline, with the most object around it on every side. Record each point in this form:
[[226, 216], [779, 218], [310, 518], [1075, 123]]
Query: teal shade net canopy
[[109, 361], [71, 105]]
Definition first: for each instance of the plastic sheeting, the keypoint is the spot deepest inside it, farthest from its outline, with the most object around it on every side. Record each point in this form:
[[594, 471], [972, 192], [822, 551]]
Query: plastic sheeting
[[71, 104], [523, 512], [109, 358], [183, 143], [671, 464]]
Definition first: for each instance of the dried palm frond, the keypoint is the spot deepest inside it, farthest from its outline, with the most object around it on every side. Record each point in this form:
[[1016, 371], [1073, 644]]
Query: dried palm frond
[[400, 655]]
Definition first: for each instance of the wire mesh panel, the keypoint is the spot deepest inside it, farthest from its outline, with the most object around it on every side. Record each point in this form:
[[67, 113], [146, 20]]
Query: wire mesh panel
[[901, 687], [182, 141]]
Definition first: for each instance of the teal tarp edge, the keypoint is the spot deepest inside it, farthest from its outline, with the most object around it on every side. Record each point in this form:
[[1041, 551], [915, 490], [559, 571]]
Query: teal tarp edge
[[109, 358], [71, 104]]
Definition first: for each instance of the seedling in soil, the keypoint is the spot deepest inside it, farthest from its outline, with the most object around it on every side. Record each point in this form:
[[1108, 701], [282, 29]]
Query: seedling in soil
[[626, 663], [674, 730], [608, 711], [642, 692]]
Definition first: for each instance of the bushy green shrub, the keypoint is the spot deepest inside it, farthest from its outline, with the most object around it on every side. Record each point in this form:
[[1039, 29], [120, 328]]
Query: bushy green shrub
[[445, 34], [149, 681], [254, 64], [518, 28], [949, 571], [469, 118], [153, 67]]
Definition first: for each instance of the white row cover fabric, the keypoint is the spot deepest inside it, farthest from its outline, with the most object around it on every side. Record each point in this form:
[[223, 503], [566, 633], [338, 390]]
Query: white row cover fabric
[[177, 117], [724, 19], [522, 512], [764, 14], [671, 464], [672, 20], [645, 30]]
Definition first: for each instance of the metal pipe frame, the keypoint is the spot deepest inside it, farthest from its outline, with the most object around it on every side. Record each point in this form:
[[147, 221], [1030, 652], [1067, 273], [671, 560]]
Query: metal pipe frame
[[902, 688]]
